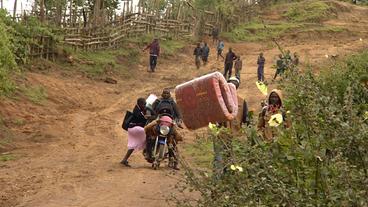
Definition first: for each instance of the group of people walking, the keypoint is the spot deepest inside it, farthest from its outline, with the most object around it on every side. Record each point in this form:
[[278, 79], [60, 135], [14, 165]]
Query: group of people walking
[[201, 53], [147, 120], [286, 62]]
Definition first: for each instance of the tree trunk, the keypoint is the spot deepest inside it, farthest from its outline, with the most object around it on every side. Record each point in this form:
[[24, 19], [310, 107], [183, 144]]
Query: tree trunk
[[2, 4], [75, 10], [42, 10], [15, 9], [35, 5], [97, 12], [84, 18], [59, 13], [71, 13]]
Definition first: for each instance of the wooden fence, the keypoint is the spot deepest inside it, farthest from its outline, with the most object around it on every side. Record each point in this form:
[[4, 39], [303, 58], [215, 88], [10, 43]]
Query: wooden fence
[[43, 47], [112, 34]]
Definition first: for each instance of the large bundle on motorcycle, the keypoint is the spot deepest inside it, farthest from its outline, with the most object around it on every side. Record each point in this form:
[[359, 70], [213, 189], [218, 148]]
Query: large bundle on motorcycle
[[206, 99]]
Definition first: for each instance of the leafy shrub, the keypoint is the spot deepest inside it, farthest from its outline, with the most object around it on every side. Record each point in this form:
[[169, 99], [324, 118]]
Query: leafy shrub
[[322, 160], [15, 40], [7, 59]]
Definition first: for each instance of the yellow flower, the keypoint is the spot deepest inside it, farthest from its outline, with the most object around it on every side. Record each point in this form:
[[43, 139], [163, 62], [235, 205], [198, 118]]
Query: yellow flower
[[262, 87], [212, 126], [365, 116], [233, 167], [275, 120], [236, 167]]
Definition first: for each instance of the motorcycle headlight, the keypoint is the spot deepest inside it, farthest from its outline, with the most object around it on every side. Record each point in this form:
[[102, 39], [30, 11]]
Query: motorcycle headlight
[[164, 130]]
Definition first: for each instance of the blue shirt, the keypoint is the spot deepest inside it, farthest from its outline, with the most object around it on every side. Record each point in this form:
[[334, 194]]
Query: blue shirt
[[220, 45]]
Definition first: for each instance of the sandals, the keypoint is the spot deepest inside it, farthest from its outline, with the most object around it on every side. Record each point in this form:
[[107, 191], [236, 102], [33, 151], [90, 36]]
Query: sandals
[[125, 163]]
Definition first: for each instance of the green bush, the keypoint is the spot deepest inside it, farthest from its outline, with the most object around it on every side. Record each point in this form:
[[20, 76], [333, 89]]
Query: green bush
[[7, 59], [322, 160], [15, 40]]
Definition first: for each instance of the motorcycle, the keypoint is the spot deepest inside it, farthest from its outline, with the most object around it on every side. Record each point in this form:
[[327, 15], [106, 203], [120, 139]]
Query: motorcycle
[[161, 148]]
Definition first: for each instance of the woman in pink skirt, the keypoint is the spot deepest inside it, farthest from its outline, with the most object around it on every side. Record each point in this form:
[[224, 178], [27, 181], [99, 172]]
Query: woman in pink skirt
[[136, 134]]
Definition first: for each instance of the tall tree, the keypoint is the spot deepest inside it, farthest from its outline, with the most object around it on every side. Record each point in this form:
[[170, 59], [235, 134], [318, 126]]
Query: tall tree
[[42, 10], [15, 8], [59, 12], [97, 8]]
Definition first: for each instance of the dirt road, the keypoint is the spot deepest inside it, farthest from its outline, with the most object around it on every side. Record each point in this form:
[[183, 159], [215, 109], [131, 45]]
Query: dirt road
[[69, 149]]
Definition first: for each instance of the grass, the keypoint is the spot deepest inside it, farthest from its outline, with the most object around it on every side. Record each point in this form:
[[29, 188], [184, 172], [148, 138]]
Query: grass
[[308, 11], [169, 47], [6, 157], [255, 31], [98, 63], [304, 16], [19, 122], [6, 85], [35, 94], [119, 61], [326, 28], [5, 135], [202, 151]]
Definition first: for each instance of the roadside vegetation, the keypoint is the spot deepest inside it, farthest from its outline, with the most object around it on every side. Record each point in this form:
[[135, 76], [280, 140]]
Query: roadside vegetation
[[322, 160]]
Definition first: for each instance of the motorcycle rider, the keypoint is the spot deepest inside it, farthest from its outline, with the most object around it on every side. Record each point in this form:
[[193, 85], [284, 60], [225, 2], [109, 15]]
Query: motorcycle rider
[[167, 106], [152, 130]]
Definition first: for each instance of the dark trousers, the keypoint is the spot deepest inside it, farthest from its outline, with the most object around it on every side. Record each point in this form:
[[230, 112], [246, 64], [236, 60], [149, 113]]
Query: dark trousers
[[173, 152], [260, 73], [197, 61], [228, 69], [150, 143], [279, 71], [153, 62], [219, 54], [205, 59]]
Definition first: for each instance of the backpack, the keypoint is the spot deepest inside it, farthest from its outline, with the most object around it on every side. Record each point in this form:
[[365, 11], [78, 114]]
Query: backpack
[[127, 119], [165, 106]]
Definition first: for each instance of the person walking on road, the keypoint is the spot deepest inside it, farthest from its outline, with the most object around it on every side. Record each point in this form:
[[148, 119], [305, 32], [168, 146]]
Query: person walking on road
[[205, 53], [215, 34], [197, 55], [280, 66], [260, 71], [220, 48], [154, 53], [238, 67], [229, 60]]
